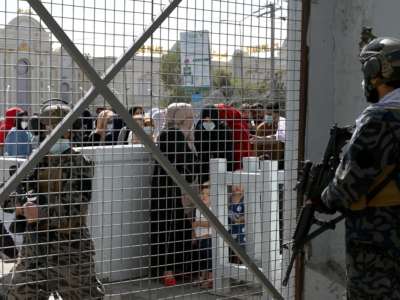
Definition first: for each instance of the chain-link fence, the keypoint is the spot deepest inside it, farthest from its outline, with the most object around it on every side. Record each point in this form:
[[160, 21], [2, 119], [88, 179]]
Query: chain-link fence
[[149, 148]]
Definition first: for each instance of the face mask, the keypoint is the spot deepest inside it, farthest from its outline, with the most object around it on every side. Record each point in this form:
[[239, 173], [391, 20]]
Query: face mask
[[60, 147], [148, 130], [208, 126], [24, 124], [268, 119]]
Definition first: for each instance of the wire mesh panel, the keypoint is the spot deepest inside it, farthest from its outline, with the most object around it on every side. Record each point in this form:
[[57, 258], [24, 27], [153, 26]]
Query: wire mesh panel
[[214, 84]]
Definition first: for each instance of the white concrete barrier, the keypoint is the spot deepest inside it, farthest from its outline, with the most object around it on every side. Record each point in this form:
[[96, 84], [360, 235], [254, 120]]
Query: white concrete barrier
[[260, 181], [119, 210]]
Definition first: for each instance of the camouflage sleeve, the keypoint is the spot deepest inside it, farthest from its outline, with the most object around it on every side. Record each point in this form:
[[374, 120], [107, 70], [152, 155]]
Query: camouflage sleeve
[[371, 148], [69, 207], [11, 202], [17, 198]]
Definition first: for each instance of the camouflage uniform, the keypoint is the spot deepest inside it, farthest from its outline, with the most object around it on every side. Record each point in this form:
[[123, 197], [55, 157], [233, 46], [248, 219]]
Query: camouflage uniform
[[58, 253], [373, 229]]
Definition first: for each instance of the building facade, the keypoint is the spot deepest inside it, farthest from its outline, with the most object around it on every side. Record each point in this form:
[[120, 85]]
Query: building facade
[[33, 70]]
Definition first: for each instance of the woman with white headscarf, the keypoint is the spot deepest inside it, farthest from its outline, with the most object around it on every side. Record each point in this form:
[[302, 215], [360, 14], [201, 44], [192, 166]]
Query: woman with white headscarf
[[103, 134], [158, 116], [171, 221]]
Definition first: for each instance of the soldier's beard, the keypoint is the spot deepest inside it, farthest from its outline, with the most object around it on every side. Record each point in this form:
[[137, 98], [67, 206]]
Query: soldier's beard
[[372, 96], [370, 92]]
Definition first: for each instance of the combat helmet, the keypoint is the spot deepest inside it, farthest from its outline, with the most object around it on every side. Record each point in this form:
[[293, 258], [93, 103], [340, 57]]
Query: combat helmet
[[380, 58], [53, 111]]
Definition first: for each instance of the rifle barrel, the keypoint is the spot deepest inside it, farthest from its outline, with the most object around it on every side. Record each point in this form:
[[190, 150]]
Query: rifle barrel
[[290, 267]]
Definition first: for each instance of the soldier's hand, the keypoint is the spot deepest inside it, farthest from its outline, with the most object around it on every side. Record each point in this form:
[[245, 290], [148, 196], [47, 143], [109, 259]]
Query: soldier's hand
[[31, 212], [321, 207]]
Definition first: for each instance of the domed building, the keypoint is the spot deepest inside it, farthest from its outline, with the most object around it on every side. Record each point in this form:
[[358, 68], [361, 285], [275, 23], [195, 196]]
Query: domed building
[[30, 69], [25, 49], [34, 69]]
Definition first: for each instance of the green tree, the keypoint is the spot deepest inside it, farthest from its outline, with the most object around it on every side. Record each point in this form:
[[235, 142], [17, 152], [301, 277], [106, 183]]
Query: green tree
[[221, 78], [280, 87], [170, 74]]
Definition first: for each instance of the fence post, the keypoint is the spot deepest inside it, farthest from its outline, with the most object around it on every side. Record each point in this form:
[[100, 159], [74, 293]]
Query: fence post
[[251, 166], [219, 205], [266, 200]]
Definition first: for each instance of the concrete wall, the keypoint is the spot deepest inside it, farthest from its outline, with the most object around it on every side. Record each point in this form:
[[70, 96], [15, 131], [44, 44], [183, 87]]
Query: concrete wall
[[335, 96], [119, 210]]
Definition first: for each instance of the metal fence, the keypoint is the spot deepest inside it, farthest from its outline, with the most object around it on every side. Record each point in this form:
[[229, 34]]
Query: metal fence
[[149, 148]]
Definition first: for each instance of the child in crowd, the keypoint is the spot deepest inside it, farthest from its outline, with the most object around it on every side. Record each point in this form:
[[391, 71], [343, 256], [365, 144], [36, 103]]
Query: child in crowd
[[202, 233], [132, 137], [236, 217]]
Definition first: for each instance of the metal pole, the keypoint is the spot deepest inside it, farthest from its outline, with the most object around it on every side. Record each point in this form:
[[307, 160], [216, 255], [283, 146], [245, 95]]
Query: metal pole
[[242, 58], [100, 85], [304, 64], [125, 88], [273, 85], [272, 10], [8, 95]]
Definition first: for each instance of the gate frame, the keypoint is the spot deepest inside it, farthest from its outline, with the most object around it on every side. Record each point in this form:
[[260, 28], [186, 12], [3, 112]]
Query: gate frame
[[304, 67], [100, 86]]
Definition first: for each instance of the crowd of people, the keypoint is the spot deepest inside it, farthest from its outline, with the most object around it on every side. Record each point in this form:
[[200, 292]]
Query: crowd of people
[[180, 235], [250, 130], [20, 134]]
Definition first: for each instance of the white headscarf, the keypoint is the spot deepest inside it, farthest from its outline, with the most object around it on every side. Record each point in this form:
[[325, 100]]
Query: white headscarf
[[180, 115], [101, 124], [158, 116]]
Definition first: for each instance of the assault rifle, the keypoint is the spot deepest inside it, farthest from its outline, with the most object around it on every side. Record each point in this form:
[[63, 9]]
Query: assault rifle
[[313, 180]]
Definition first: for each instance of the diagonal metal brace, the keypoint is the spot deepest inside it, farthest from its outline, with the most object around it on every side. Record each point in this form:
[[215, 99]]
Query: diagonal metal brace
[[100, 85], [81, 105]]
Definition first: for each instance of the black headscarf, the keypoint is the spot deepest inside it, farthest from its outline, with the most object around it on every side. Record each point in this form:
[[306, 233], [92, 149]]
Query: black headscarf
[[216, 143], [210, 111], [22, 115]]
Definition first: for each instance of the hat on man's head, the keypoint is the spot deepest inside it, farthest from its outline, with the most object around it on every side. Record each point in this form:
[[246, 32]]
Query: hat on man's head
[[53, 111]]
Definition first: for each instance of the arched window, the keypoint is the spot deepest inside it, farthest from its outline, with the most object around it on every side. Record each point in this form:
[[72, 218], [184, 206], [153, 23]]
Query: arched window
[[23, 84], [65, 91]]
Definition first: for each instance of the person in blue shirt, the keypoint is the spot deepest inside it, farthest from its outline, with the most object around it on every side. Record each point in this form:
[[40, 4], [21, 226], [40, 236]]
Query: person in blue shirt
[[19, 140], [236, 215]]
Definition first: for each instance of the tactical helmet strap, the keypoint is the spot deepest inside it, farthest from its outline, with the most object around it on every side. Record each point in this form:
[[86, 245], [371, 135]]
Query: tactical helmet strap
[[372, 68]]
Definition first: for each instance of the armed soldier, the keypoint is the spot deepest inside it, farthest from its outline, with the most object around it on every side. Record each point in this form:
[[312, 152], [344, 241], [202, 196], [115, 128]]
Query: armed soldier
[[366, 184], [57, 253]]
